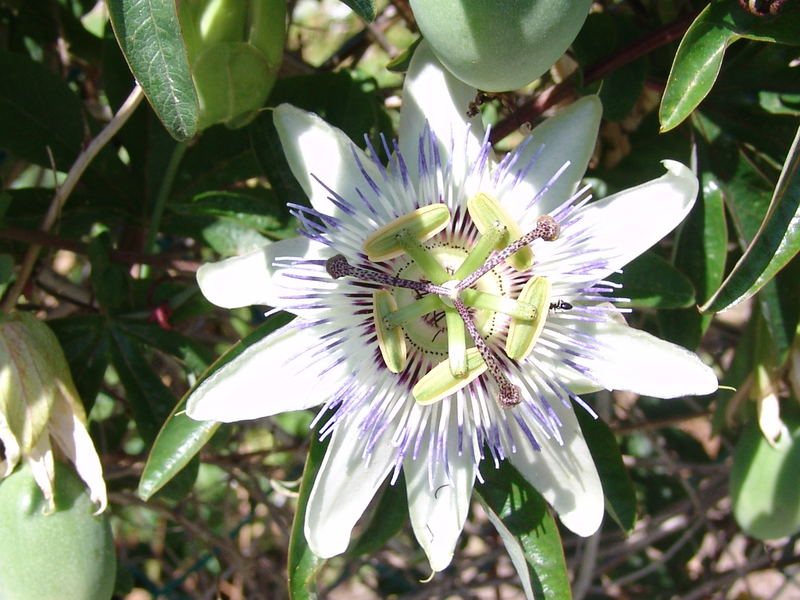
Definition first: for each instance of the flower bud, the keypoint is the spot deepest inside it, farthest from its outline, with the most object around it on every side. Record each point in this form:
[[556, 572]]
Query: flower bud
[[39, 405], [234, 49]]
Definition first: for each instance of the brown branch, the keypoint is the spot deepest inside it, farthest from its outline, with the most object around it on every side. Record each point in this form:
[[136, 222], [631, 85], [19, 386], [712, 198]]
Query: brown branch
[[48, 240], [534, 108]]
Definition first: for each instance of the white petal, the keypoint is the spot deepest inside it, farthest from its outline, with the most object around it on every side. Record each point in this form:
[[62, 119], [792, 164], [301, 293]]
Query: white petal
[[279, 373], [73, 440], [439, 507], [432, 95], [319, 152], [40, 459], [633, 360], [624, 225], [344, 487], [564, 475], [248, 279], [568, 136]]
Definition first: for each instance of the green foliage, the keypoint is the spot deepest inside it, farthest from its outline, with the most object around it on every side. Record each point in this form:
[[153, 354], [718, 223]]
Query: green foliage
[[150, 37], [529, 531]]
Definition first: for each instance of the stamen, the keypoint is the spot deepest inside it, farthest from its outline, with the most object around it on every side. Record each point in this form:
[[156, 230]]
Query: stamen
[[423, 223], [523, 334], [422, 257], [502, 304], [456, 343], [546, 229], [485, 212], [337, 266], [415, 310], [392, 342], [490, 240], [439, 383], [509, 393]]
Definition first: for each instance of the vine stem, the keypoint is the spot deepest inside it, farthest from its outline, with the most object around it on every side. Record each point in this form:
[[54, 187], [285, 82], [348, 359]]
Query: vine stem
[[533, 109], [163, 193], [65, 189]]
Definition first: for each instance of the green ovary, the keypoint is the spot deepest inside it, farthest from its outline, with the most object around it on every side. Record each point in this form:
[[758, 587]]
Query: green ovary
[[428, 333]]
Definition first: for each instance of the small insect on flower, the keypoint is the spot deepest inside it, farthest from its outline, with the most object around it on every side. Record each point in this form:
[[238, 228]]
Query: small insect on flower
[[451, 308], [561, 305]]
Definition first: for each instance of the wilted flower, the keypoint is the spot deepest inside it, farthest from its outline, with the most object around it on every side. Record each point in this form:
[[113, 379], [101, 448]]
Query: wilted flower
[[448, 306], [40, 408]]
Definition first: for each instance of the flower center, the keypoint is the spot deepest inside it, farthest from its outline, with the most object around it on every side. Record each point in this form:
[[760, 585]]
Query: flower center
[[444, 300]]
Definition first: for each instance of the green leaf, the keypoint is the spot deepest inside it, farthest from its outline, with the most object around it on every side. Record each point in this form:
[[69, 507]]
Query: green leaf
[[601, 35], [620, 495], [38, 112], [196, 357], [388, 518], [110, 281], [514, 548], [699, 57], [774, 245], [261, 212], [303, 564], [181, 438], [85, 340], [150, 400], [700, 251], [524, 513], [363, 8], [650, 281], [401, 62], [150, 38], [230, 238], [6, 271], [764, 491]]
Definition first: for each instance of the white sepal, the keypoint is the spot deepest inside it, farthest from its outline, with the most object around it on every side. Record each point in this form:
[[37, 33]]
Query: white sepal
[[249, 279], [564, 474], [276, 374], [438, 500], [345, 485], [633, 360]]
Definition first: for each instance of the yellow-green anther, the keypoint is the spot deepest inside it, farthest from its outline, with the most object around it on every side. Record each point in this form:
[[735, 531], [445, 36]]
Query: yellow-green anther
[[439, 382], [422, 257], [522, 334], [392, 342], [486, 212], [456, 343], [423, 223], [411, 312], [490, 240], [502, 304]]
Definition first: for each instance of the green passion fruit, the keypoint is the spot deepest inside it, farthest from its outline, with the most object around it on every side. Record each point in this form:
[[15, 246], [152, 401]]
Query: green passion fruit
[[499, 45], [68, 553], [765, 489]]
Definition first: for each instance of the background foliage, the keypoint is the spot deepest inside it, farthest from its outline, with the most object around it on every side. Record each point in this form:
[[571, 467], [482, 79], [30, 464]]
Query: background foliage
[[104, 219]]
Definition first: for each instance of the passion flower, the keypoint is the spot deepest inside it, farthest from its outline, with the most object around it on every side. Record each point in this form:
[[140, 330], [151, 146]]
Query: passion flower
[[450, 308]]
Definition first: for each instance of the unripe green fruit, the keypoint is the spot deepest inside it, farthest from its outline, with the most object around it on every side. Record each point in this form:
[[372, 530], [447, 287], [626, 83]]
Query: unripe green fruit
[[66, 554], [765, 488], [499, 45]]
